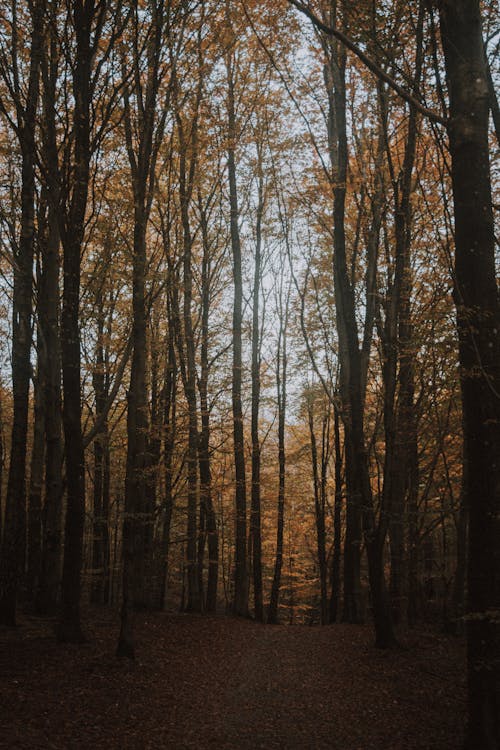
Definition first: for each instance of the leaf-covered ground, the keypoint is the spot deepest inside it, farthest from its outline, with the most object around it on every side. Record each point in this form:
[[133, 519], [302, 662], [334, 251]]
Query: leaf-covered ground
[[214, 682]]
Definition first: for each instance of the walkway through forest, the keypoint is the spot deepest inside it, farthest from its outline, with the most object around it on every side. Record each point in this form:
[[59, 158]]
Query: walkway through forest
[[215, 682]]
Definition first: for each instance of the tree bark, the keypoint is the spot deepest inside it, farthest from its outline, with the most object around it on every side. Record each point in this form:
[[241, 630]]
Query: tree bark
[[99, 593], [13, 541], [478, 315], [337, 522], [240, 603], [34, 535], [204, 442], [255, 516], [47, 597], [72, 235], [319, 512], [281, 385], [358, 474], [137, 525]]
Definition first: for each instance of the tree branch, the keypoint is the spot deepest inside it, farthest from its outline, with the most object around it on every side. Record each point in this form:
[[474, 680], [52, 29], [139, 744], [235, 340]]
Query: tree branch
[[368, 62]]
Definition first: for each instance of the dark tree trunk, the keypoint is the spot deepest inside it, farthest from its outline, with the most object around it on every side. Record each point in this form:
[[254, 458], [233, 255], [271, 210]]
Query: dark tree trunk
[[319, 512], [204, 444], [255, 516], [396, 340], [13, 541], [34, 535], [142, 153], [478, 313], [358, 474], [352, 609], [170, 423], [281, 385], [72, 235], [194, 602], [240, 603], [337, 523], [99, 593], [49, 305], [460, 578], [134, 525], [353, 363], [413, 534], [153, 575], [49, 311]]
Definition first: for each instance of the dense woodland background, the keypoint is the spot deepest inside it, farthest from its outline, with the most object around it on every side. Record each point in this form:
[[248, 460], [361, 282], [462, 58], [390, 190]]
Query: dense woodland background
[[232, 376]]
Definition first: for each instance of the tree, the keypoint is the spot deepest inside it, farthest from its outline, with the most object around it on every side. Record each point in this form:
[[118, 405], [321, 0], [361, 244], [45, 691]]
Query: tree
[[478, 315], [24, 125], [240, 604], [144, 121]]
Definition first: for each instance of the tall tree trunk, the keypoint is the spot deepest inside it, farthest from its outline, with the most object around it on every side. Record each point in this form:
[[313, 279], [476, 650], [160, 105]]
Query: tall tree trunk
[[240, 603], [478, 313], [204, 443], [142, 153], [396, 340], [13, 541], [137, 426], [49, 305], [319, 512], [337, 522], [34, 526], [281, 386], [49, 312], [153, 580], [460, 577], [99, 592], [72, 235], [359, 475], [194, 602], [170, 424], [255, 516], [352, 610]]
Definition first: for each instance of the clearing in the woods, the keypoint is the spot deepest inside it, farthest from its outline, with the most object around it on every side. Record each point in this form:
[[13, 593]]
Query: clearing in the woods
[[216, 682]]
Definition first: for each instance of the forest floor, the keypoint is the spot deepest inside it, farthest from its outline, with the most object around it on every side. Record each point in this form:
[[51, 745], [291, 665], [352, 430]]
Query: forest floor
[[215, 682]]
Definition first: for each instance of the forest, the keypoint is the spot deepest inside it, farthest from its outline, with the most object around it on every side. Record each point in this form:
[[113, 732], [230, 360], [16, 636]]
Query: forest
[[250, 354]]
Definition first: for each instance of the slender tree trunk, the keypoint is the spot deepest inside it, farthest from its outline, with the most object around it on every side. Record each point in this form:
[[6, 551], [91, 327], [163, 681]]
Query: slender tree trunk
[[240, 603], [352, 610], [137, 426], [170, 423], [49, 311], [255, 517], [34, 535], [47, 598], [100, 531], [337, 523], [413, 534], [319, 512], [478, 313], [359, 475], [281, 386], [13, 541], [142, 153], [352, 364], [153, 580], [204, 444], [396, 350], [72, 234], [194, 602]]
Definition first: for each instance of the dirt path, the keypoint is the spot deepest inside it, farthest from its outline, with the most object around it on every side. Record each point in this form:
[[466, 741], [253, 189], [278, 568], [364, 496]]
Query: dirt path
[[219, 683]]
